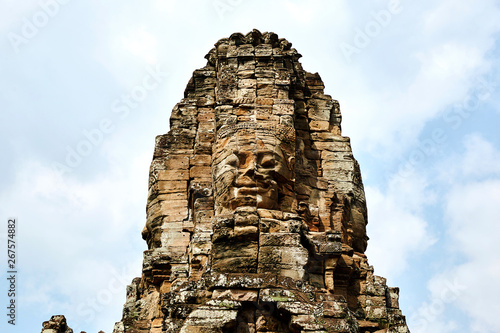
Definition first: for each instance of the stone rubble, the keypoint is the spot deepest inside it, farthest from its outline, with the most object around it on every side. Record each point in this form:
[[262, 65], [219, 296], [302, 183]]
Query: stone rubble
[[56, 324]]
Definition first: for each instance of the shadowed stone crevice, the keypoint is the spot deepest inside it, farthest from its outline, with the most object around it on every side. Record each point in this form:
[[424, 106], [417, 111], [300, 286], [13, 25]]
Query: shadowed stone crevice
[[262, 317]]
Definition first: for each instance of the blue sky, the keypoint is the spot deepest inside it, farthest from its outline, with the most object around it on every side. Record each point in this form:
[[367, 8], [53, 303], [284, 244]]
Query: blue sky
[[85, 87]]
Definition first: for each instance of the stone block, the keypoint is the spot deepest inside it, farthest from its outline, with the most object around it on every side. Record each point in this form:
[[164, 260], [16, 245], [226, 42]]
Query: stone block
[[279, 239], [264, 101], [319, 125], [201, 172], [172, 186], [392, 297], [307, 322], [283, 109], [241, 295], [376, 313], [174, 162]]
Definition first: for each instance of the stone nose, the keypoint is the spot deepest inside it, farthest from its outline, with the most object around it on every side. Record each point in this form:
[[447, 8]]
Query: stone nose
[[248, 170], [246, 173]]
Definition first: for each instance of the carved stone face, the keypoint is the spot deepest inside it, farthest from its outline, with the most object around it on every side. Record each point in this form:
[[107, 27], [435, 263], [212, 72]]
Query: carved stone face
[[250, 173]]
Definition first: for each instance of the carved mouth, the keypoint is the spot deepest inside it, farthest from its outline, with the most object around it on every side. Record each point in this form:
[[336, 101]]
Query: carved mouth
[[249, 190]]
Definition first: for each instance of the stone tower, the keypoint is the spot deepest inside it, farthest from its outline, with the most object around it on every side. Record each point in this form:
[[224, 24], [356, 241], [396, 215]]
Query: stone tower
[[256, 213]]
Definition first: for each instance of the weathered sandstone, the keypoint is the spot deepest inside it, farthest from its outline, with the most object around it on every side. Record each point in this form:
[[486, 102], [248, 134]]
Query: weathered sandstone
[[256, 216], [256, 213]]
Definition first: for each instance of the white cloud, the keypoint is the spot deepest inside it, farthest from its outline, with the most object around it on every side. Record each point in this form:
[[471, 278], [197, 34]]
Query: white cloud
[[472, 207], [472, 213], [469, 19], [396, 227], [74, 240], [142, 44], [13, 11], [440, 66], [431, 315], [167, 6], [480, 160], [305, 11], [481, 157]]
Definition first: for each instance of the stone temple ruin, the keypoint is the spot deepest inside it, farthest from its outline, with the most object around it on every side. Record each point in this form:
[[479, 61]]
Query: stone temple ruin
[[256, 213]]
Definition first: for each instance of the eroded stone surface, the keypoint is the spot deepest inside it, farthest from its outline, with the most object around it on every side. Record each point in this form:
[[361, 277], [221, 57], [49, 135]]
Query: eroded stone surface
[[256, 216], [56, 324]]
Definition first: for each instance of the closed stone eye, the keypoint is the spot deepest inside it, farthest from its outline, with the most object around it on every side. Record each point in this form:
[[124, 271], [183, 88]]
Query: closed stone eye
[[232, 160], [268, 161]]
